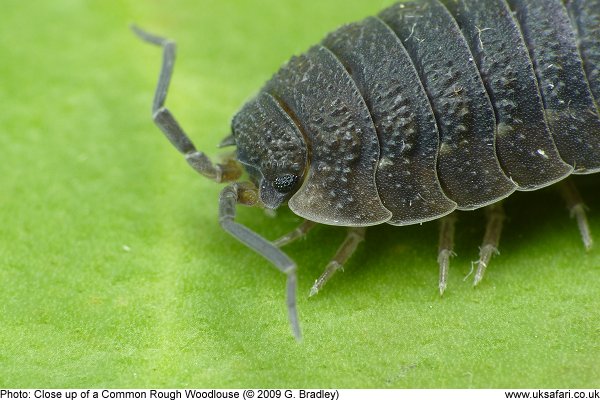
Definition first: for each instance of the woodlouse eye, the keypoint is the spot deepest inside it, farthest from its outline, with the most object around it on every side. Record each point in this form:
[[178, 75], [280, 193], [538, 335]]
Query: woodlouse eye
[[285, 183]]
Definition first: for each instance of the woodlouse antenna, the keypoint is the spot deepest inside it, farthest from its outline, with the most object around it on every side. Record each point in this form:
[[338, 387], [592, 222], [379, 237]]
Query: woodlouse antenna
[[235, 193], [231, 170]]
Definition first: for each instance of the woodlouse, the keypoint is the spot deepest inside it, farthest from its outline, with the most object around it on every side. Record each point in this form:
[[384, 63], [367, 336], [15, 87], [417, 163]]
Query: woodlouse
[[429, 107]]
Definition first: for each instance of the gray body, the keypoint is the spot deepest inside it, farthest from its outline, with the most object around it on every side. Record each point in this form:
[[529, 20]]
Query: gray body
[[431, 107], [402, 118]]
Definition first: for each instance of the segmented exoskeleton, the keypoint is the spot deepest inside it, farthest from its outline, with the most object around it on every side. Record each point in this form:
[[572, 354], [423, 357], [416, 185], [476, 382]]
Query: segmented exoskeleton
[[429, 107]]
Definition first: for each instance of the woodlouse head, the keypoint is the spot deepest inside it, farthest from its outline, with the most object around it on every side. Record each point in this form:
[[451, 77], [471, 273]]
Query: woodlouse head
[[271, 148]]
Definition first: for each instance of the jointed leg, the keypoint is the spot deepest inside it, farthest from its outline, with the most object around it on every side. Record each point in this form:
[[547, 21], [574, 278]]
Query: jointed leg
[[246, 193], [445, 248], [577, 209], [353, 239], [495, 219], [166, 122], [297, 233]]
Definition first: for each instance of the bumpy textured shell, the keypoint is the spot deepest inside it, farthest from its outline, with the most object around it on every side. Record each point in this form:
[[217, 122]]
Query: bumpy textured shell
[[429, 107]]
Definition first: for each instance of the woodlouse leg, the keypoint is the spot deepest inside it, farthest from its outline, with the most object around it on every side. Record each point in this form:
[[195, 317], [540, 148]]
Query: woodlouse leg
[[577, 209], [296, 234], [353, 239], [445, 248], [167, 123], [495, 219], [246, 193]]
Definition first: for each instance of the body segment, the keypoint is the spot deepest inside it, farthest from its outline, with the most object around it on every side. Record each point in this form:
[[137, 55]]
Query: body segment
[[570, 109], [524, 143], [585, 18], [468, 167], [406, 173], [339, 188]]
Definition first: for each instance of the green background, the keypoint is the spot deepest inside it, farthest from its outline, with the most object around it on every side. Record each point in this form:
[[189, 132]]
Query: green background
[[115, 273]]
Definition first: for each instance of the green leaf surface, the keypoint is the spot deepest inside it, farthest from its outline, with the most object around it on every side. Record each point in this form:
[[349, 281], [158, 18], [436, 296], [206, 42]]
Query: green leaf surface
[[114, 271]]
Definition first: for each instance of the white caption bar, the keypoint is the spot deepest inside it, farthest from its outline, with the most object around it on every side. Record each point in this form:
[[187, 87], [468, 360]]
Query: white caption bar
[[324, 394]]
